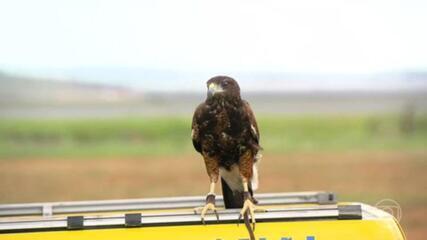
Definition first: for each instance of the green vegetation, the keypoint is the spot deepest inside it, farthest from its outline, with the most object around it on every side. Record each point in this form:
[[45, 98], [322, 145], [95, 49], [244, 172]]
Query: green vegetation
[[167, 136]]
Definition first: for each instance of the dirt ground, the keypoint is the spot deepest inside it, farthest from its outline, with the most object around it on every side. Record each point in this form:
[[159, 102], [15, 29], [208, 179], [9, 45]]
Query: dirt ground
[[356, 176]]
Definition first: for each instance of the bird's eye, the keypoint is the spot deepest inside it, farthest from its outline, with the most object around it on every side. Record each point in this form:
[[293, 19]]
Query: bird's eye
[[224, 84]]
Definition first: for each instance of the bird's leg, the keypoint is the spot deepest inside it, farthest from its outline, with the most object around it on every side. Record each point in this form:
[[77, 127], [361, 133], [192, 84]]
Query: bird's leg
[[210, 203], [248, 204], [212, 169]]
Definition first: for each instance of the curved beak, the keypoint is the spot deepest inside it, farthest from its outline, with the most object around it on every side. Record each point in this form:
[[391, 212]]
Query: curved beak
[[213, 89]]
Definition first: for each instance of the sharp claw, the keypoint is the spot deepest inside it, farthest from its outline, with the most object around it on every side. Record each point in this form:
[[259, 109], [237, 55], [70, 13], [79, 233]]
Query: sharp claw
[[253, 224], [238, 220], [205, 209], [259, 209], [250, 208], [216, 214], [203, 215]]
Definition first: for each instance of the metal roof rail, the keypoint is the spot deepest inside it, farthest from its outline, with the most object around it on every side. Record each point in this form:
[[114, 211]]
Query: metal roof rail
[[57, 208], [290, 213]]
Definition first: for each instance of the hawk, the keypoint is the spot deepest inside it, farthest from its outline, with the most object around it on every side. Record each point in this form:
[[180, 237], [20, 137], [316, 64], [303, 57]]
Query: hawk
[[225, 133]]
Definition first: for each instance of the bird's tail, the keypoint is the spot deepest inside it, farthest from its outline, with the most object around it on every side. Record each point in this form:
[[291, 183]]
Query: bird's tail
[[232, 199]]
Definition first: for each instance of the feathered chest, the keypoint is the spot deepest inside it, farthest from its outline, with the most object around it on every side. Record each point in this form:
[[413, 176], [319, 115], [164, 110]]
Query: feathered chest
[[224, 122]]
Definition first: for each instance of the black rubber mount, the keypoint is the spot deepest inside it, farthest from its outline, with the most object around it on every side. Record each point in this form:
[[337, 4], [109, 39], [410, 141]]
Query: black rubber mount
[[75, 222], [348, 212], [133, 219]]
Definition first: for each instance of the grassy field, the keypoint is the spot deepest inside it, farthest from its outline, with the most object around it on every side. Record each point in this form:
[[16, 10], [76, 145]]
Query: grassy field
[[167, 136], [362, 158]]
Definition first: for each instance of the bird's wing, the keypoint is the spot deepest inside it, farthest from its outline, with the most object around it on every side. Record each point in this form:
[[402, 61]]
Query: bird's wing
[[252, 120], [195, 126]]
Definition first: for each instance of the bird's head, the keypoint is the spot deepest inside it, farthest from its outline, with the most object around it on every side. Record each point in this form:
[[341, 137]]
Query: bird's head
[[223, 87]]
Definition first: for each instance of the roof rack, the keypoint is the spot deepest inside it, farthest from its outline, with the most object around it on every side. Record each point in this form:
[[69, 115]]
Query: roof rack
[[325, 208], [56, 208]]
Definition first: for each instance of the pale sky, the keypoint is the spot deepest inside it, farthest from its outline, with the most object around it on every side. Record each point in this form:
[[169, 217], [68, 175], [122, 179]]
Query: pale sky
[[332, 36]]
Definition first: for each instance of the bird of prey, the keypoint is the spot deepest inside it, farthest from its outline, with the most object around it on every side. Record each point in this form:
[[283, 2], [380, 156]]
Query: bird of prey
[[225, 133]]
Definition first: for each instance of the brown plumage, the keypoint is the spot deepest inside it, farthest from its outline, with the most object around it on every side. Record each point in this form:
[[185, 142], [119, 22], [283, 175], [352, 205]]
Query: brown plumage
[[224, 127], [225, 133]]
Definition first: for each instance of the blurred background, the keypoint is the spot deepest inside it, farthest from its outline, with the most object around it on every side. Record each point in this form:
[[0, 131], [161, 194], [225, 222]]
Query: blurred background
[[96, 97]]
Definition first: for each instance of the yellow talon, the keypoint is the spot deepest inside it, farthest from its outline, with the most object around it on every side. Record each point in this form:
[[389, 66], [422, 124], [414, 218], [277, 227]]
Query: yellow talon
[[210, 205], [249, 206]]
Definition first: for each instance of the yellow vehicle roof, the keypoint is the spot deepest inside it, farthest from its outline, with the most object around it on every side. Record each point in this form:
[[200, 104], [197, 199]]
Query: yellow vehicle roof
[[302, 215]]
